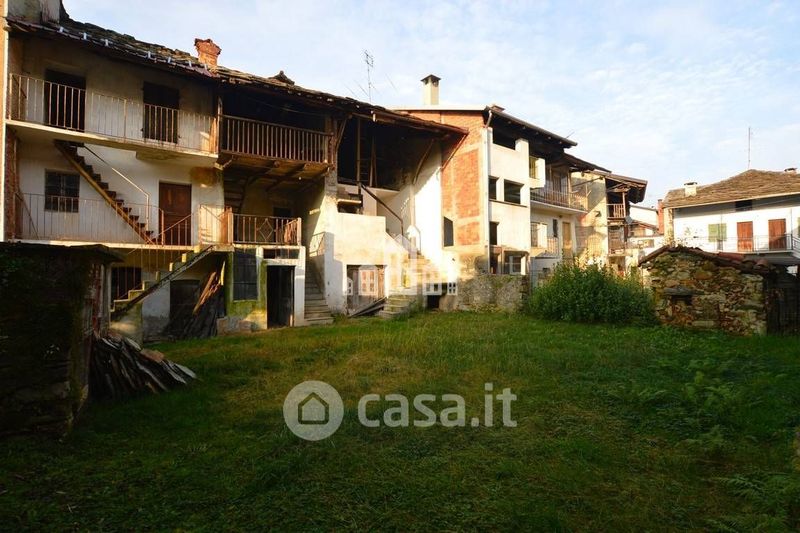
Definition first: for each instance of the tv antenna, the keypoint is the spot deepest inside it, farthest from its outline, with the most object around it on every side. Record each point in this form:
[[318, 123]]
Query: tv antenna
[[749, 143], [370, 62]]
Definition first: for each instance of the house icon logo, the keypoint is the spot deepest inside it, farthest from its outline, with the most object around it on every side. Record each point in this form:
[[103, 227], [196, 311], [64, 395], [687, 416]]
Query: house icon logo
[[313, 410]]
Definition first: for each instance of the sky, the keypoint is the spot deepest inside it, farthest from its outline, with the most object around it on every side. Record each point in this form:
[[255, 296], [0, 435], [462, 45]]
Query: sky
[[662, 91]]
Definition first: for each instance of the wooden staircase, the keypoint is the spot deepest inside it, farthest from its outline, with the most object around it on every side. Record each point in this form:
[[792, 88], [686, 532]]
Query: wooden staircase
[[78, 162], [174, 269], [317, 311]]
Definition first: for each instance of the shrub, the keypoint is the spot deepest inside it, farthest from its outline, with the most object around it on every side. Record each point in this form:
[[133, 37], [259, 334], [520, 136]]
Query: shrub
[[593, 294]]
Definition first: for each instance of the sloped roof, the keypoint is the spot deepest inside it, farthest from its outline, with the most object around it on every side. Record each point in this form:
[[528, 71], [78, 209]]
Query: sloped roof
[[737, 261], [115, 44], [748, 185]]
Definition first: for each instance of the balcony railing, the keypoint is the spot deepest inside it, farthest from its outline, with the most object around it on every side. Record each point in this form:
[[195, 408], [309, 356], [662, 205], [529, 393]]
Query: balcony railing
[[274, 141], [62, 218], [256, 229], [572, 200], [616, 210], [552, 247], [80, 110], [757, 244]]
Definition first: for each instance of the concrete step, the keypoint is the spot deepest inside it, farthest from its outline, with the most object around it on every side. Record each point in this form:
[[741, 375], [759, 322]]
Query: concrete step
[[319, 321], [388, 315]]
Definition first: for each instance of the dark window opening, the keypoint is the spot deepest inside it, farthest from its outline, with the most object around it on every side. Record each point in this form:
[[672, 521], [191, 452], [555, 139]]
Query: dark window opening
[[501, 139], [493, 232], [160, 113], [555, 228], [493, 188], [513, 264], [61, 192], [512, 192], [64, 100], [245, 275], [743, 205], [448, 232]]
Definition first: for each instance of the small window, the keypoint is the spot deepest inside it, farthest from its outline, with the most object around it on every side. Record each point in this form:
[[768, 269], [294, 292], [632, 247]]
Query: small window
[[513, 264], [492, 188], [535, 234], [512, 192], [717, 235], [61, 192], [743, 205], [493, 232], [245, 275], [448, 232], [555, 228]]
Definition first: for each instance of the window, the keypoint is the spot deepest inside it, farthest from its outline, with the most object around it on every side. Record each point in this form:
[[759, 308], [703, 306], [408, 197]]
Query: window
[[493, 232], [448, 232], [513, 264], [512, 192], [61, 192], [535, 228], [717, 235], [245, 275], [501, 139], [492, 188], [160, 113], [555, 228], [368, 282], [743, 205]]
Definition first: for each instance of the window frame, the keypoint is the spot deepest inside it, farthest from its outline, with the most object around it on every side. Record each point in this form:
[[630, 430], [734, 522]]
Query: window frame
[[68, 198], [245, 290], [519, 186]]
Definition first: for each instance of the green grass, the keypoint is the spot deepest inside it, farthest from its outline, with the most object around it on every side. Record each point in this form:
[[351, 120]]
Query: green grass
[[618, 429]]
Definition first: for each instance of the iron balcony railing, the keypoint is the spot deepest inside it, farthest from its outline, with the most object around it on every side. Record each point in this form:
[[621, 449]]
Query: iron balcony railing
[[786, 242], [257, 229], [616, 210], [249, 137], [42, 102], [572, 200]]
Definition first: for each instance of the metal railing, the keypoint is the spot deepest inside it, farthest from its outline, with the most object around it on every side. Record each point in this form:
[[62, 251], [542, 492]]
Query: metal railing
[[786, 242], [257, 229], [62, 106], [263, 139], [64, 218], [551, 247], [572, 200], [616, 210]]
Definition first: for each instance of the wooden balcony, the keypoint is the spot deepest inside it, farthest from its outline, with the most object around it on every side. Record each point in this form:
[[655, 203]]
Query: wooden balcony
[[256, 229], [558, 198], [616, 211], [88, 116], [286, 150]]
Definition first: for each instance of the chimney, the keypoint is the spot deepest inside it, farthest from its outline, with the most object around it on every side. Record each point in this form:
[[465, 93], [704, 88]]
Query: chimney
[[690, 188], [207, 52], [430, 90], [660, 214], [47, 11]]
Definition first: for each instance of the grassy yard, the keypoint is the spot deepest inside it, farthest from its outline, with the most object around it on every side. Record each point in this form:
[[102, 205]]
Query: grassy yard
[[618, 429]]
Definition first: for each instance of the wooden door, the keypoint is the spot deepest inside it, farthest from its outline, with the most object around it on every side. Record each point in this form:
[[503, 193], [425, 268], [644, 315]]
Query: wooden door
[[777, 234], [176, 203], [744, 235], [566, 228]]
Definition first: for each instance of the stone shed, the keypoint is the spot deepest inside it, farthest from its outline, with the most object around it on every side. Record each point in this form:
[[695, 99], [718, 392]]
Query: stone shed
[[53, 300], [698, 289]]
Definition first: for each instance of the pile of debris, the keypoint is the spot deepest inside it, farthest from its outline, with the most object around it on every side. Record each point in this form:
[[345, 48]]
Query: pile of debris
[[200, 322], [120, 368]]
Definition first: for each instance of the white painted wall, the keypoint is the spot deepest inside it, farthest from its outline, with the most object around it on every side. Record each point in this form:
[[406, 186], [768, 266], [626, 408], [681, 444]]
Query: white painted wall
[[644, 214], [691, 223]]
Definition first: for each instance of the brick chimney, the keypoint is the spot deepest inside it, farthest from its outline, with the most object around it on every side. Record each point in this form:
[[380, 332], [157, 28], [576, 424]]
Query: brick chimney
[[207, 52], [430, 90]]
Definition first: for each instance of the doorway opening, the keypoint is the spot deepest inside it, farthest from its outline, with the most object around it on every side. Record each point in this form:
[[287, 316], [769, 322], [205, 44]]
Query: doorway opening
[[280, 295]]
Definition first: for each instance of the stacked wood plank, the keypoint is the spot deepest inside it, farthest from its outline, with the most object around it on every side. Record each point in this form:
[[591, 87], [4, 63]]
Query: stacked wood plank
[[120, 368], [200, 322]]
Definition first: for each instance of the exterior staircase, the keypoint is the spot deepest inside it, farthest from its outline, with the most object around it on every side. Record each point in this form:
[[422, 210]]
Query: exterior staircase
[[70, 152], [174, 269], [404, 302], [317, 311]]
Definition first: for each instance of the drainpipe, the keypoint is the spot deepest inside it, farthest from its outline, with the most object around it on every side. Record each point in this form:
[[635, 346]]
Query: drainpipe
[[488, 168]]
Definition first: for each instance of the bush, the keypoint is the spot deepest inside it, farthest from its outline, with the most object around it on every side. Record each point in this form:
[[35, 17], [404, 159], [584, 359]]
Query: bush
[[593, 294]]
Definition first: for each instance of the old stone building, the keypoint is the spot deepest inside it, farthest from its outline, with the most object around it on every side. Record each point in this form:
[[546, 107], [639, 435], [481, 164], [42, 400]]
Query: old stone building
[[703, 290]]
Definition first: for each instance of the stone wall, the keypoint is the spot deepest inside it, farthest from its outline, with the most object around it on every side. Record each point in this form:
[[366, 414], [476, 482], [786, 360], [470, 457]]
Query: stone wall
[[505, 293], [52, 303], [697, 292]]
